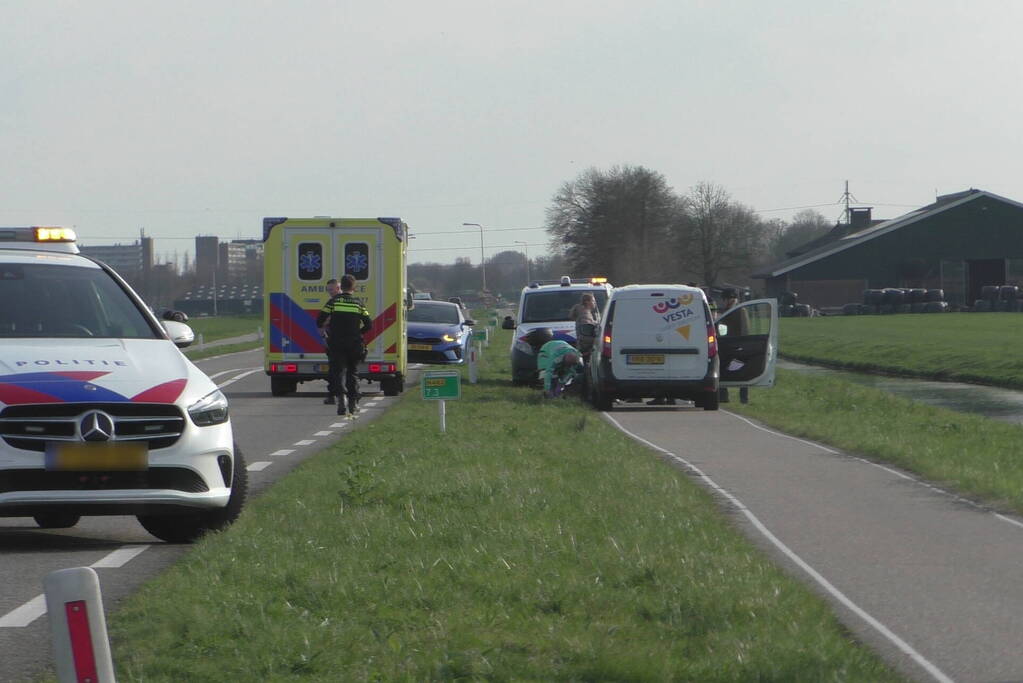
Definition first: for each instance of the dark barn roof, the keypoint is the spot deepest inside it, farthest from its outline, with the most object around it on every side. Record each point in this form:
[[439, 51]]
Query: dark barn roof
[[843, 237]]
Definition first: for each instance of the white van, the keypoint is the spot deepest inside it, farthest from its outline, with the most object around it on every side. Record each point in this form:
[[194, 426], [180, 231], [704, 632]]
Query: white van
[[661, 341]]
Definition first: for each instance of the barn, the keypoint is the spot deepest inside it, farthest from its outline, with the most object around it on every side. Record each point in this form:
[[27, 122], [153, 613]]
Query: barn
[[960, 243]]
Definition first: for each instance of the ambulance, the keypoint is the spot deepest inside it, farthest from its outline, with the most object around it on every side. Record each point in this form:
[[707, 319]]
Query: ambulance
[[300, 255]]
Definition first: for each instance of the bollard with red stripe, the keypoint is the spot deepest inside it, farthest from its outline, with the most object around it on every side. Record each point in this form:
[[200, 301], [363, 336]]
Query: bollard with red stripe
[[79, 630]]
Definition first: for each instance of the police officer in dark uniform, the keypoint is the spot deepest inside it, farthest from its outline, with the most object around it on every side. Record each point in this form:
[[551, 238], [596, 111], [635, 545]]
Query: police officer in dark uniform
[[345, 320], [334, 291]]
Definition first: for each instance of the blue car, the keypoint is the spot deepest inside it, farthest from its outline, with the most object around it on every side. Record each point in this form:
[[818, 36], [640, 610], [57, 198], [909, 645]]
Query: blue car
[[438, 333]]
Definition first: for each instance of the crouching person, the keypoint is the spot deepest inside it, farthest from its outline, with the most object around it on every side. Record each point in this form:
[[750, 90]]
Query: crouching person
[[560, 364]]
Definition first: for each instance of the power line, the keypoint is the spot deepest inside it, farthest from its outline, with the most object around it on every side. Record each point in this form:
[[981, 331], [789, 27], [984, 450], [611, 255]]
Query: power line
[[489, 246]]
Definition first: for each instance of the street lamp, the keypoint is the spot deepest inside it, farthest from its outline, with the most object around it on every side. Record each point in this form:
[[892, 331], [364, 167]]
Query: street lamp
[[483, 262], [526, 245]]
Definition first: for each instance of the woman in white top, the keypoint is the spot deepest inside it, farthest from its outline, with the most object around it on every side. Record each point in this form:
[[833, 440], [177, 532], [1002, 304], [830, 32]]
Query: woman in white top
[[585, 313]]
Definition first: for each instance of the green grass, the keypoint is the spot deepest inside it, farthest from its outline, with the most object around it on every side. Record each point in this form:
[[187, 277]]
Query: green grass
[[970, 347], [194, 353], [224, 326], [532, 541]]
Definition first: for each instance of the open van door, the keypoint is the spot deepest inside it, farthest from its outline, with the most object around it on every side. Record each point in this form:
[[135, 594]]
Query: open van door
[[748, 344]]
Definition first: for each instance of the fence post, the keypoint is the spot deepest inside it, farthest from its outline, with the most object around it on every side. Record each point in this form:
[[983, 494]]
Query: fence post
[[79, 630]]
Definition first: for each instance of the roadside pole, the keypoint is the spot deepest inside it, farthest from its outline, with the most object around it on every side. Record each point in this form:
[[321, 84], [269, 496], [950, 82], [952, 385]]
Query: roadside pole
[[79, 630]]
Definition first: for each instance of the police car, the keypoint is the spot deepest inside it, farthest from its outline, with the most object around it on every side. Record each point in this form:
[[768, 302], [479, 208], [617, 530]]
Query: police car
[[100, 413], [545, 306]]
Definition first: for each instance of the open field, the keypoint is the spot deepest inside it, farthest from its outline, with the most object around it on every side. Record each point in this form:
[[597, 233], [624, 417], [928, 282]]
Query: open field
[[224, 326], [967, 347], [532, 541]]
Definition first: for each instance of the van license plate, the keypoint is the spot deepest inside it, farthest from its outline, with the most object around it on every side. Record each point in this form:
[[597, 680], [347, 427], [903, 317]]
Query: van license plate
[[131, 455], [645, 359], [420, 347]]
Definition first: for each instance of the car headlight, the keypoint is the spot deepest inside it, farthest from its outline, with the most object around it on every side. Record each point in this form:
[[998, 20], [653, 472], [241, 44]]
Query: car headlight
[[209, 410], [448, 338]]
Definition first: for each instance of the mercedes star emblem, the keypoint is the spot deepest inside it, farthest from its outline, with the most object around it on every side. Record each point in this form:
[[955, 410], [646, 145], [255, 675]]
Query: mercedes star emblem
[[97, 426]]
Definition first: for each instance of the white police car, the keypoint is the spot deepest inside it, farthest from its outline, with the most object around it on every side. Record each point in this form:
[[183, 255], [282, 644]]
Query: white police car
[[100, 413], [545, 306]]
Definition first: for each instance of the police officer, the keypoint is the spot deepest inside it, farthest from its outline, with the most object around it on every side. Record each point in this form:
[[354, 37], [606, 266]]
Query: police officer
[[333, 291], [345, 320]]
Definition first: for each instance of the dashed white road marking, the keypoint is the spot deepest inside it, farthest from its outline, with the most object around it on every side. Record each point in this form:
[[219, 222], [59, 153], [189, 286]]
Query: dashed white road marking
[[305, 442], [238, 377], [339, 425], [228, 372], [258, 466], [323, 433], [119, 557], [26, 614], [902, 645], [21, 617], [283, 451]]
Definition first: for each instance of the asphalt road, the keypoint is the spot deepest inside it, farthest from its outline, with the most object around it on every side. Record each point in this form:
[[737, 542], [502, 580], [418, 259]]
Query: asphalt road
[[930, 581], [275, 434]]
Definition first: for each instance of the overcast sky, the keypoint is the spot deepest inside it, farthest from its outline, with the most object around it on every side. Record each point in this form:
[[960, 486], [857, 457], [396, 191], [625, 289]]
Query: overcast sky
[[190, 117]]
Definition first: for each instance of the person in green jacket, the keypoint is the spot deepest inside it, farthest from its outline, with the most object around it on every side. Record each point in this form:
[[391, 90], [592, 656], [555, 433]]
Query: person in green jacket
[[559, 359]]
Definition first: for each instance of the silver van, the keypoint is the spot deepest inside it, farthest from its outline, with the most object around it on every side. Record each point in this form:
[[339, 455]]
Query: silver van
[[661, 341]]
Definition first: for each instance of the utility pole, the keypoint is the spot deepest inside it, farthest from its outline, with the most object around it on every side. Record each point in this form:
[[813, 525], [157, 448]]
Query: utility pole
[[846, 196]]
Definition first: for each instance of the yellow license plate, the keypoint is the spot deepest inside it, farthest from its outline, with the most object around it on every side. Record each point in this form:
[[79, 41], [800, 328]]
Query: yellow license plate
[[129, 455], [321, 367], [645, 359], [420, 347]]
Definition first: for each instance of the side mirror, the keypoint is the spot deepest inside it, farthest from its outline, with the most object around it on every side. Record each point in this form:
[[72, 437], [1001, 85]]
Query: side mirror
[[722, 330], [508, 323], [469, 323], [179, 333]]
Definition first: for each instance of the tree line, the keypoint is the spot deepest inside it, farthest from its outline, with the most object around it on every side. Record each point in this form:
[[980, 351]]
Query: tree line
[[628, 224]]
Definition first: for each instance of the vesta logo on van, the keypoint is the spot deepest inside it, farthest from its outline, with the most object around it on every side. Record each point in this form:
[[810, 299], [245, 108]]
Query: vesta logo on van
[[668, 304]]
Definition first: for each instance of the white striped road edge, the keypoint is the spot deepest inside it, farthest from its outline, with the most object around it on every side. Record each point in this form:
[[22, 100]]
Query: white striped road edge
[[36, 607]]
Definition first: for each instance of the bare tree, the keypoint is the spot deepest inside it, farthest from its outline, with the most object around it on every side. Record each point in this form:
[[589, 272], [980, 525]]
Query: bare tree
[[718, 235], [806, 226], [615, 223]]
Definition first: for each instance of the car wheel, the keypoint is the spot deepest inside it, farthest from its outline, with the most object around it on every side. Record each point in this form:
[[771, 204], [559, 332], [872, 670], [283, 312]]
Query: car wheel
[[190, 527], [709, 402], [391, 386], [281, 387], [599, 399], [56, 520]]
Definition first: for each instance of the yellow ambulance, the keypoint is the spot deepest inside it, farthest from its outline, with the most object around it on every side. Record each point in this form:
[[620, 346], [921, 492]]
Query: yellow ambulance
[[299, 256]]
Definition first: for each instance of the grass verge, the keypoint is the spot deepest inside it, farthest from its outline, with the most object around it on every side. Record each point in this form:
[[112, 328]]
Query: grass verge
[[969, 347], [532, 541], [224, 326], [209, 352]]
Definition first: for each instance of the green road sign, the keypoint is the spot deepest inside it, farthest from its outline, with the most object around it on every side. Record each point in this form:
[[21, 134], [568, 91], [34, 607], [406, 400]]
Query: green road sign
[[442, 385], [479, 334]]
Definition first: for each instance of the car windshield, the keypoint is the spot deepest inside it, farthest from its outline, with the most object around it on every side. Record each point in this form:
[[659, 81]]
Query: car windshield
[[45, 300], [434, 313], [554, 305]]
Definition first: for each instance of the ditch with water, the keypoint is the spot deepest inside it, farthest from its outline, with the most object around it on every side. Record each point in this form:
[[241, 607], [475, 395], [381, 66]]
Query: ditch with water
[[993, 402]]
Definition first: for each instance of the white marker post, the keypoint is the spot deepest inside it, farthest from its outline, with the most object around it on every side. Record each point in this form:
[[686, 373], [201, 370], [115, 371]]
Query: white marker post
[[440, 386], [81, 650]]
